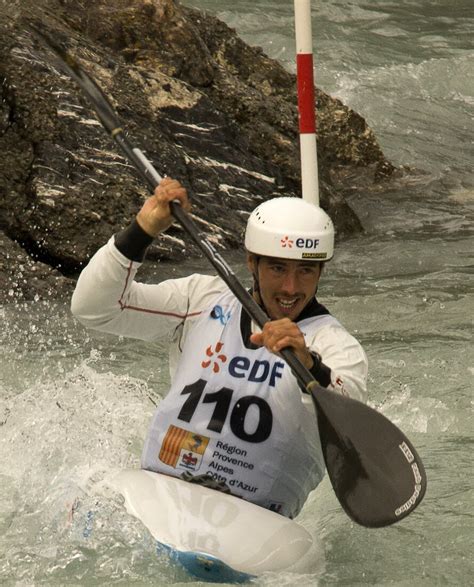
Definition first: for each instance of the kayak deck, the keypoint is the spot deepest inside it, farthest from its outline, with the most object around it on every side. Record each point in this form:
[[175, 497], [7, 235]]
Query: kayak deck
[[215, 536]]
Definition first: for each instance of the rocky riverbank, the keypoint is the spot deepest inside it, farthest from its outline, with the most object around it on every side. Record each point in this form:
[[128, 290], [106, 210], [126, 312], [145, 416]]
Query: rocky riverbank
[[205, 107]]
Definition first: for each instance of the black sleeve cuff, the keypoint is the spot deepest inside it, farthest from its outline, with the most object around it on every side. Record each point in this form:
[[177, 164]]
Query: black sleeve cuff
[[133, 242], [320, 371]]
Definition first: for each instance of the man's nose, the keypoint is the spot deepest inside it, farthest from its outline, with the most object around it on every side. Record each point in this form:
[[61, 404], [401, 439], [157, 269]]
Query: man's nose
[[289, 284]]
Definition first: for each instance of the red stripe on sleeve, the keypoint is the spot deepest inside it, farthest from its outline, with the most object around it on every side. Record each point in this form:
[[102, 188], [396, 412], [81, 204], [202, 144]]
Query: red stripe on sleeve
[[148, 310], [158, 312]]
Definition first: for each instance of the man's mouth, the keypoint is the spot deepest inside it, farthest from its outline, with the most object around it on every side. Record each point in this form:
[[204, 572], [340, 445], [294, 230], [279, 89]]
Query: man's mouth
[[287, 303]]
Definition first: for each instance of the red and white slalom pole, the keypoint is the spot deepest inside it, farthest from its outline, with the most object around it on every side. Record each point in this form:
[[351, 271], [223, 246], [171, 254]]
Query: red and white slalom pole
[[306, 104]]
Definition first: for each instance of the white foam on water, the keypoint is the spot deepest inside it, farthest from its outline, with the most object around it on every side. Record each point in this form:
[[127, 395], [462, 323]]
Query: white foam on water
[[61, 440]]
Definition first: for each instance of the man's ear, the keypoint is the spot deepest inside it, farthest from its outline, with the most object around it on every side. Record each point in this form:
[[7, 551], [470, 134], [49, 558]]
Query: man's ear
[[252, 263]]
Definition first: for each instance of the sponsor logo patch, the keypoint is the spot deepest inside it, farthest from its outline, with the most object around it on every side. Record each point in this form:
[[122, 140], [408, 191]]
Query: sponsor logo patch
[[303, 243], [216, 358], [256, 371], [182, 449], [314, 255], [217, 313]]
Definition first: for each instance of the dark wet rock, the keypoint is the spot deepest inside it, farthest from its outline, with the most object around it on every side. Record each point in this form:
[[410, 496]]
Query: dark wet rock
[[24, 279], [204, 106]]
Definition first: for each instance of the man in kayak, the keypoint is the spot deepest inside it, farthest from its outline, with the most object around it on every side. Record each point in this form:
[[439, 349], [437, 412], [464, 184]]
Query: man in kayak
[[234, 413]]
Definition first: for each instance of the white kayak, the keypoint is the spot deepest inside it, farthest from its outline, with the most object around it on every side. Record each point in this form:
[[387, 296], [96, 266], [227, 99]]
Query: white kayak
[[215, 536]]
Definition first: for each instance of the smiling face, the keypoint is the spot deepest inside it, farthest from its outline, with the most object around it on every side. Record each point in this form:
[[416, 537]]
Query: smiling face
[[285, 286]]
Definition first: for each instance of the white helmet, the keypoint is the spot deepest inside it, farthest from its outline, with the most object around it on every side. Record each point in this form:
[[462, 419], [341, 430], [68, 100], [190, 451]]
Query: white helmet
[[290, 228]]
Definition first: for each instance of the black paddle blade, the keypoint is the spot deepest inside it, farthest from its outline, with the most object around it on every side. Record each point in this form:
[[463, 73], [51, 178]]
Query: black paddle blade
[[374, 469]]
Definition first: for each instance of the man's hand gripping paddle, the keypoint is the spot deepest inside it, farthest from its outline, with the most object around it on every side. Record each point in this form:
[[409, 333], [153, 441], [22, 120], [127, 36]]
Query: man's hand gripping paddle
[[374, 469]]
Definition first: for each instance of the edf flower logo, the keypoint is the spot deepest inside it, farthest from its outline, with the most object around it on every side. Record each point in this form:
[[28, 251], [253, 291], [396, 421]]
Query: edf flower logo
[[219, 358], [286, 242]]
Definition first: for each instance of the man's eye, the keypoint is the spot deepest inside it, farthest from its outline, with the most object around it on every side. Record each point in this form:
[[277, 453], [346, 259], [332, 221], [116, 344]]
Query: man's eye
[[308, 272]]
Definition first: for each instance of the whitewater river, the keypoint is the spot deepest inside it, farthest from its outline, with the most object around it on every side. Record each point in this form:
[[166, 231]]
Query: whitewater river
[[75, 405]]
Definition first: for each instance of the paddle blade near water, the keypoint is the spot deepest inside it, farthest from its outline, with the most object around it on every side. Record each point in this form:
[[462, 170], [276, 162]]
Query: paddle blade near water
[[374, 469]]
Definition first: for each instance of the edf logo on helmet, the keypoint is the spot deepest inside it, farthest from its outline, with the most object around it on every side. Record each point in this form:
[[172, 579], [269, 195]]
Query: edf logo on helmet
[[301, 243]]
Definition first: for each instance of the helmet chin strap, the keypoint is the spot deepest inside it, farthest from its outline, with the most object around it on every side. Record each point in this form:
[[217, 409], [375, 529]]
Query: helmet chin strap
[[256, 285]]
